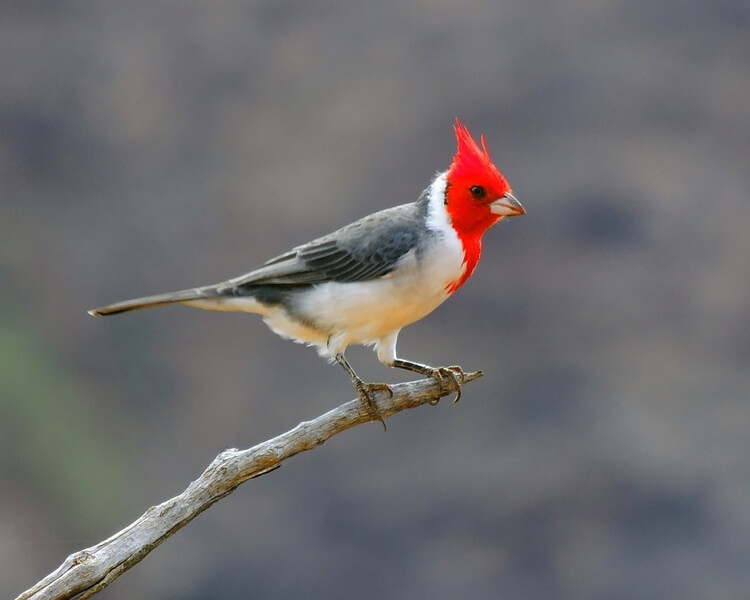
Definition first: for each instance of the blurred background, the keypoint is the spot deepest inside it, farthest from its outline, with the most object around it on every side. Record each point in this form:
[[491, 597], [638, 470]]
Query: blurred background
[[149, 146]]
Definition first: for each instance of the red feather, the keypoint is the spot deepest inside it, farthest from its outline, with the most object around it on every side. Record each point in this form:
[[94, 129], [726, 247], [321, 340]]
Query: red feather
[[471, 216]]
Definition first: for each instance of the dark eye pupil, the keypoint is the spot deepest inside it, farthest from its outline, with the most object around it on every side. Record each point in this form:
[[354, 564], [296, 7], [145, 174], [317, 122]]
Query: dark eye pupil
[[477, 191]]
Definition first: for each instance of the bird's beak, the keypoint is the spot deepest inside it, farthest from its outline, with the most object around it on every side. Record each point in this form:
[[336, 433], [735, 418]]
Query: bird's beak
[[507, 206]]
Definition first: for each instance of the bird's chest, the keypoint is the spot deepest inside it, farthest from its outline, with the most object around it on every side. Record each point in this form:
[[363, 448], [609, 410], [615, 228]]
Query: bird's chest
[[421, 282], [370, 309], [432, 272]]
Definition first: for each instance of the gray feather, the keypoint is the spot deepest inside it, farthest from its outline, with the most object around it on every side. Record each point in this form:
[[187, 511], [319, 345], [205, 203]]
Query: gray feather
[[156, 300], [366, 249]]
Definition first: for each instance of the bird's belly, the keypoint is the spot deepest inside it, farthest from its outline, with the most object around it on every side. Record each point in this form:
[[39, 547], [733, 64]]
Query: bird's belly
[[366, 311], [370, 310]]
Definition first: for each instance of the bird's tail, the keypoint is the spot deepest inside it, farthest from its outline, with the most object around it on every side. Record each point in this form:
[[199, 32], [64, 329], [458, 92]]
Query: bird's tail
[[204, 293]]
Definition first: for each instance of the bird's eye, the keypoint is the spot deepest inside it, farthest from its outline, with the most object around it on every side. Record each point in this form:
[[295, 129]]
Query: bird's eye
[[477, 191]]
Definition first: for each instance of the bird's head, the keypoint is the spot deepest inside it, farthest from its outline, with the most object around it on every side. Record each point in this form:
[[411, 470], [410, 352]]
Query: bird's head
[[477, 195]]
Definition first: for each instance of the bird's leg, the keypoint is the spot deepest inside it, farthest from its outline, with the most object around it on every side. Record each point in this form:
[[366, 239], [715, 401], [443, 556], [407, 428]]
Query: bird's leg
[[365, 390], [439, 374]]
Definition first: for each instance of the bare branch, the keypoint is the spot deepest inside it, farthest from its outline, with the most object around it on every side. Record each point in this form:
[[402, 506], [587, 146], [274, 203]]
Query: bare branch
[[88, 571]]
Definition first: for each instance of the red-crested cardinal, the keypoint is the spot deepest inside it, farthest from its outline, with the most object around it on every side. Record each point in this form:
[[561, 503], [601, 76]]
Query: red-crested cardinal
[[363, 283]]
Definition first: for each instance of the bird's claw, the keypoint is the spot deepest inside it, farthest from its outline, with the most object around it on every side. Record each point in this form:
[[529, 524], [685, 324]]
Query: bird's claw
[[365, 392], [455, 374]]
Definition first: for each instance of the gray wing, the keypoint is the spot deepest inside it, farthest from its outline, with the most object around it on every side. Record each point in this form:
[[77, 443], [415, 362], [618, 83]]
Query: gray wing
[[366, 249]]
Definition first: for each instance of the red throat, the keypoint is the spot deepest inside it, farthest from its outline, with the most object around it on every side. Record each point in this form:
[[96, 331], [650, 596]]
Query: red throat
[[472, 252], [471, 215]]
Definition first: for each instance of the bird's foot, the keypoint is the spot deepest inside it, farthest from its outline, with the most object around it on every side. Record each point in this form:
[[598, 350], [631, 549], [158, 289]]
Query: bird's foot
[[365, 391], [443, 375]]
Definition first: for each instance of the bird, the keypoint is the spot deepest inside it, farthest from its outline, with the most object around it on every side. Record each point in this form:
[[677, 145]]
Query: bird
[[367, 280]]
